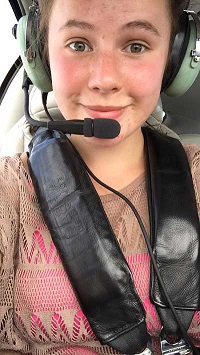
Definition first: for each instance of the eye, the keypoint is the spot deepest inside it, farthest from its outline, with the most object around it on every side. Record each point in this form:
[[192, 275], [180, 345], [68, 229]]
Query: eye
[[135, 48], [79, 46]]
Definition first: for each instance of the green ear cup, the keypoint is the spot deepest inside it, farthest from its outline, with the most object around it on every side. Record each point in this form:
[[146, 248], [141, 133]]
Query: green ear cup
[[33, 63], [189, 68]]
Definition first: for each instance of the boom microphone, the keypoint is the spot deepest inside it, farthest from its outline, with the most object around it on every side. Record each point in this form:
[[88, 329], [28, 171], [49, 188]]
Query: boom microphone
[[99, 127]]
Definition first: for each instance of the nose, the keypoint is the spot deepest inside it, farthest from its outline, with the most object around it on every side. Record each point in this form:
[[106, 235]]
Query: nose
[[105, 74]]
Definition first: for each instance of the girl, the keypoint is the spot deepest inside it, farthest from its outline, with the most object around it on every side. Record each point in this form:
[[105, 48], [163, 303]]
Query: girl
[[107, 59]]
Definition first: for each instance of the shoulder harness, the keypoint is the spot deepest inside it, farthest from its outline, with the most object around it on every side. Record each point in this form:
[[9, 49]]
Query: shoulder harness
[[89, 249]]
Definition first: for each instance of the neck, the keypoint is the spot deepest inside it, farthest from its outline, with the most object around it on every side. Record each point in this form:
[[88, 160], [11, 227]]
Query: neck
[[117, 165]]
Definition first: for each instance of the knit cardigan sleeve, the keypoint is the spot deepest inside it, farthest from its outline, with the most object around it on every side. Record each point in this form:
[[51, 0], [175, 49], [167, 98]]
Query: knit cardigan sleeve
[[9, 226]]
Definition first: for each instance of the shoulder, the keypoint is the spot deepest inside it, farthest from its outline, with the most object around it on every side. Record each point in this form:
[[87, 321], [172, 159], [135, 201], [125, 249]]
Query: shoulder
[[13, 174], [13, 167], [193, 154]]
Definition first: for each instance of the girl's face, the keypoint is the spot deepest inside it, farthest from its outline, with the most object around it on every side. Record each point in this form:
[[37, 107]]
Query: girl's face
[[108, 58]]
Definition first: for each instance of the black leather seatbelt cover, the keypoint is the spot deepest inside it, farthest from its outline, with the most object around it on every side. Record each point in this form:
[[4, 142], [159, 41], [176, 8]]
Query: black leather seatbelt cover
[[86, 243], [175, 229]]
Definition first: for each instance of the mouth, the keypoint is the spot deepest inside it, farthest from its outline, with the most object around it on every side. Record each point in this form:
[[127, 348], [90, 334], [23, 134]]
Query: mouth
[[110, 112]]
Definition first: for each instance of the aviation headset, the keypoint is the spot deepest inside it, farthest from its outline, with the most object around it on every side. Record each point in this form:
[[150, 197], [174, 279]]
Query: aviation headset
[[184, 63]]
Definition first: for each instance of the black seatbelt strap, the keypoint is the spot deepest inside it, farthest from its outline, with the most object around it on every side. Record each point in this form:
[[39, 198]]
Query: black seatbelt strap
[[175, 229], [90, 252]]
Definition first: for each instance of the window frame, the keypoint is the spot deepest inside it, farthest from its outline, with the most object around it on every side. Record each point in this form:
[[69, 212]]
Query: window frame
[[18, 11]]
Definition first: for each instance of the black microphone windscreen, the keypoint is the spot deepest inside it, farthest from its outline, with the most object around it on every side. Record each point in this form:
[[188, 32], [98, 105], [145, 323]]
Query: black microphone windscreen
[[105, 128]]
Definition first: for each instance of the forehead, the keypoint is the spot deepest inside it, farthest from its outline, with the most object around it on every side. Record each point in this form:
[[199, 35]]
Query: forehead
[[111, 10]]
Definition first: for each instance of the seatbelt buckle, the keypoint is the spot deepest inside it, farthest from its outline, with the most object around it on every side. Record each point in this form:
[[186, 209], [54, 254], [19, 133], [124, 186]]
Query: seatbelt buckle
[[178, 348], [148, 350]]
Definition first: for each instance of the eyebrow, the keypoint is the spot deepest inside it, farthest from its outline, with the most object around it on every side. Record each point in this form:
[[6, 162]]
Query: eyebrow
[[145, 25], [79, 24]]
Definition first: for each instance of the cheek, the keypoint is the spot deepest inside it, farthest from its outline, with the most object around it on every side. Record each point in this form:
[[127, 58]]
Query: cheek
[[67, 76], [146, 78]]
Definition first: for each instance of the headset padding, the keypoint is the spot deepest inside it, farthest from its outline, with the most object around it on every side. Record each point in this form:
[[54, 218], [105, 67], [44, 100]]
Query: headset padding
[[189, 69]]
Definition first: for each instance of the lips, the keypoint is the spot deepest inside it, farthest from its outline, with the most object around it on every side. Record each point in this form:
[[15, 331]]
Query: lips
[[111, 112]]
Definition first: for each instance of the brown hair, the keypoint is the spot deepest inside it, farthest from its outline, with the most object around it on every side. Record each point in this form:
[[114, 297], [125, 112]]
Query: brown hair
[[176, 10], [45, 9]]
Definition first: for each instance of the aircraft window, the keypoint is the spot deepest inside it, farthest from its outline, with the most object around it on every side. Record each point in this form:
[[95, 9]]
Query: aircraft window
[[9, 46]]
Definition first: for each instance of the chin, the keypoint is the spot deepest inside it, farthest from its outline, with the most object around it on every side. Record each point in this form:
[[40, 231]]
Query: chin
[[101, 142]]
